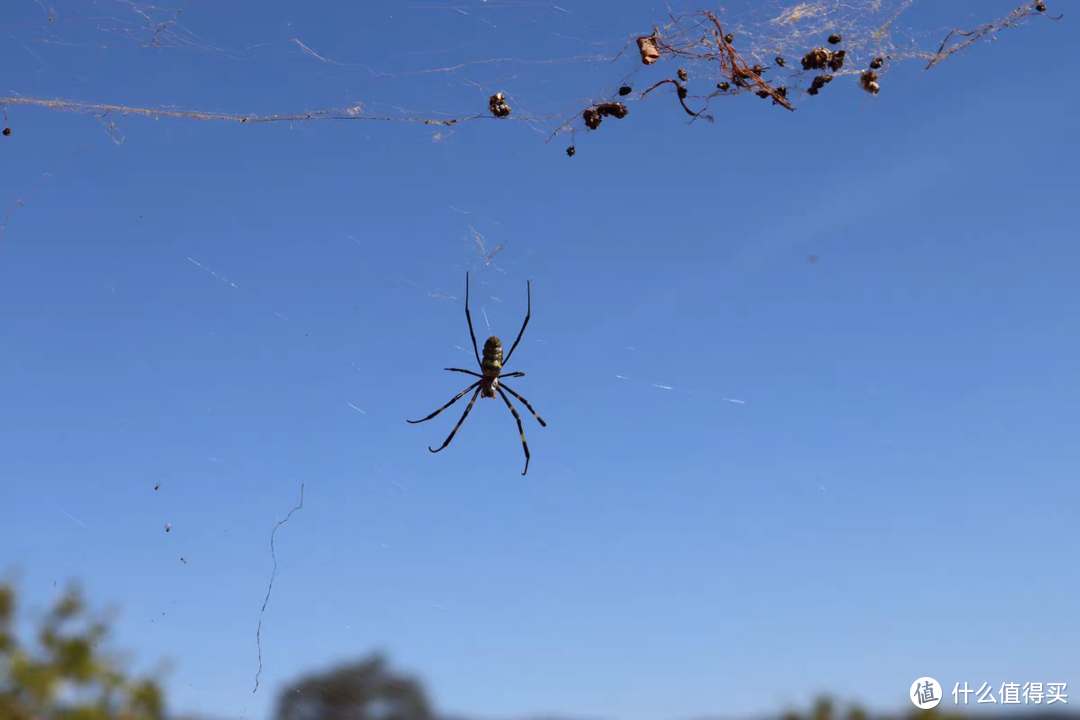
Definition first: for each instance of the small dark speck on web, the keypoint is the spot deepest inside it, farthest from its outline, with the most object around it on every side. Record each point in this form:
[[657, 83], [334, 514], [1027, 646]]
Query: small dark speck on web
[[813, 258]]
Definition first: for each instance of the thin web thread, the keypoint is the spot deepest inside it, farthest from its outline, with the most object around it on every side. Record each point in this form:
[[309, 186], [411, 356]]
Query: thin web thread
[[258, 630]]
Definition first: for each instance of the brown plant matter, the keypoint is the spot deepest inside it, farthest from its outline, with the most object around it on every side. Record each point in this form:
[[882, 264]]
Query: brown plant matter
[[869, 82], [647, 47], [498, 105], [819, 82]]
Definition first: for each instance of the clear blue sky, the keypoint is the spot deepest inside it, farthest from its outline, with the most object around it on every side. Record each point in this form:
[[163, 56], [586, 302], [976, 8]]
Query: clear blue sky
[[895, 496]]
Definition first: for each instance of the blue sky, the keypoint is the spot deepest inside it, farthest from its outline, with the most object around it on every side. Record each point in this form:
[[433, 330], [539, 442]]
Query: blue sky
[[893, 497]]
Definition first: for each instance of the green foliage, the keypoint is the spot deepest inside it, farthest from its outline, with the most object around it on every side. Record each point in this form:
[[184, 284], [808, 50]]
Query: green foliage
[[64, 676], [362, 690]]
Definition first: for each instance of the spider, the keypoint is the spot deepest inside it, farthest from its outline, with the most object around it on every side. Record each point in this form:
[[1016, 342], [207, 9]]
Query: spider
[[491, 376]]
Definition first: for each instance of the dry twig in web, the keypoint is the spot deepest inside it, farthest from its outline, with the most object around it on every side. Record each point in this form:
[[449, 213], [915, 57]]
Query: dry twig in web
[[698, 40], [1037, 8], [492, 253], [353, 113], [258, 630], [483, 247], [674, 42]]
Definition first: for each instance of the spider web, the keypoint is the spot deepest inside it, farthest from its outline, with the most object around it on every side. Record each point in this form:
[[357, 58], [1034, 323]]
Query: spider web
[[547, 91], [246, 299]]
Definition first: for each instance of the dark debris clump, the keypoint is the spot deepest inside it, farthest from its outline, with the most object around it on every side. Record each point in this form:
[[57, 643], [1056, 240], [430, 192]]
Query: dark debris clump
[[595, 115], [682, 75], [869, 82], [729, 38], [876, 63], [835, 39], [819, 82], [615, 110], [571, 151], [498, 105], [723, 86], [820, 58], [625, 90], [592, 118], [816, 59], [781, 62], [1040, 6], [7, 131]]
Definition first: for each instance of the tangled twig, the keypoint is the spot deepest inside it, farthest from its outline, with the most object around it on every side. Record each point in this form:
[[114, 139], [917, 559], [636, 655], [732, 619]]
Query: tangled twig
[[720, 51], [675, 42], [682, 93], [987, 29], [740, 70], [258, 630], [492, 254], [696, 37]]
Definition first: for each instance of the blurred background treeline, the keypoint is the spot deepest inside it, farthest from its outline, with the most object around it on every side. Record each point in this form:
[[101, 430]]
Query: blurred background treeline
[[58, 665]]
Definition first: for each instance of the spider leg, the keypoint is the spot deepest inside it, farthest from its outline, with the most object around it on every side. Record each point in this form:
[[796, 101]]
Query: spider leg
[[456, 398], [463, 416], [467, 372], [513, 374], [528, 314], [521, 430], [468, 317], [507, 389]]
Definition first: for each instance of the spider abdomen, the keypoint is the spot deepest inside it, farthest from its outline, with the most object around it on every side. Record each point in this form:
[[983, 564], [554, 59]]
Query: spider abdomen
[[491, 365]]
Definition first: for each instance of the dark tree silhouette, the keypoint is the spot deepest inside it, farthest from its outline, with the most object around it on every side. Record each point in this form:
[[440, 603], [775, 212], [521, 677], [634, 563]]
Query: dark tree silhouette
[[824, 708], [364, 690]]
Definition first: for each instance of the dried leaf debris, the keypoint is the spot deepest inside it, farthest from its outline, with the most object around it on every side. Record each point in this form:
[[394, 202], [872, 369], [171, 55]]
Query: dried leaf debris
[[710, 65], [699, 38], [498, 105]]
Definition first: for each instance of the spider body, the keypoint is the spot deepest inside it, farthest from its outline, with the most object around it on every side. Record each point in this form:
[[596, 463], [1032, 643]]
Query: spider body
[[489, 383], [491, 366]]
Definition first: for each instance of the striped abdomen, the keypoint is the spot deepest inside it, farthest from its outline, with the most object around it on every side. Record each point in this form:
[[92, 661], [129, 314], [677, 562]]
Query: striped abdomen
[[491, 365]]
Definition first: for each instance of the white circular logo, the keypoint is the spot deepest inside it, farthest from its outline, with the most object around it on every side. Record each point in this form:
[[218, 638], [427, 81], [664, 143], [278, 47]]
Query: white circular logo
[[925, 693]]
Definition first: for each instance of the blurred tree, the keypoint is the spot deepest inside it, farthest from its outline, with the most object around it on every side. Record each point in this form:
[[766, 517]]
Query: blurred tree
[[65, 677], [824, 708], [364, 690]]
